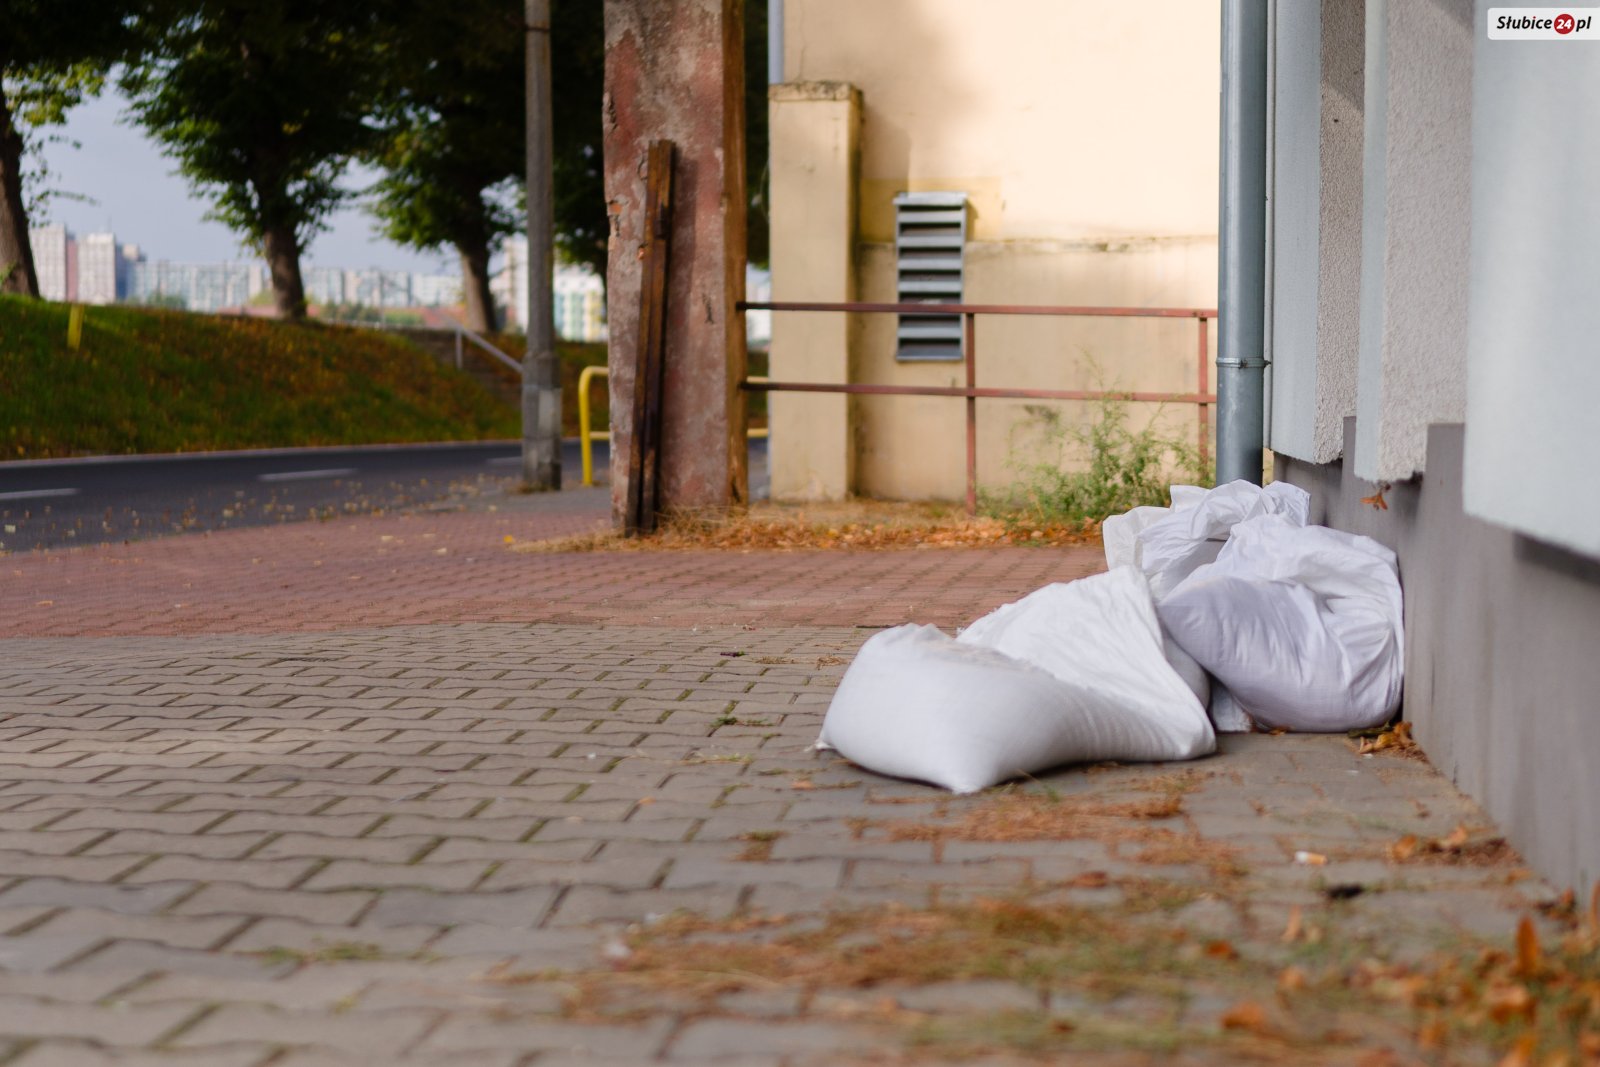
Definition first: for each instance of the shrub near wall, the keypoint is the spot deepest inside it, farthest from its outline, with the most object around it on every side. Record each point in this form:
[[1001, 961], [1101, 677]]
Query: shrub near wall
[[147, 380]]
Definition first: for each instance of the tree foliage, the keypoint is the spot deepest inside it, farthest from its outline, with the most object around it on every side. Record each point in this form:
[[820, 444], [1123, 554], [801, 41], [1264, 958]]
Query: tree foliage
[[452, 145], [577, 35], [52, 55], [263, 105]]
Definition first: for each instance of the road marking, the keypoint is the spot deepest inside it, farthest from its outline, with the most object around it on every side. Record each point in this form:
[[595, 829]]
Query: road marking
[[306, 476], [37, 494]]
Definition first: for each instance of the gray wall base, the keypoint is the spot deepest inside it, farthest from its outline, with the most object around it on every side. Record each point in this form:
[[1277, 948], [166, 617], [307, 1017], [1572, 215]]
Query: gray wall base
[[1502, 652]]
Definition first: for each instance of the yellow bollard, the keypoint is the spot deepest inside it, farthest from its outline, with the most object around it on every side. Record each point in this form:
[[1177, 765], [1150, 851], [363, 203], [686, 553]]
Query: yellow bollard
[[586, 436], [75, 327]]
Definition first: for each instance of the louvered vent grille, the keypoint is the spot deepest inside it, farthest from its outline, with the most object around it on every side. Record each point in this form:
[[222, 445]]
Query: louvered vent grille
[[930, 233]]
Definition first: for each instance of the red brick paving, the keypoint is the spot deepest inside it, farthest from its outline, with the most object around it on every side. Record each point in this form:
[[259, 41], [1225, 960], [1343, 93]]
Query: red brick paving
[[456, 567]]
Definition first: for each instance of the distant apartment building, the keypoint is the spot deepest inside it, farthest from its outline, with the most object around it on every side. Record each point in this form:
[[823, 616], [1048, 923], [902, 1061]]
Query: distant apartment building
[[196, 286], [436, 290], [93, 269], [580, 296], [324, 286], [97, 269], [52, 246]]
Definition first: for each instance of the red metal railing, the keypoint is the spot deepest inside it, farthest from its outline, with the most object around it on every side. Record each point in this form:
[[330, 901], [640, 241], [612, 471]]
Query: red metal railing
[[973, 392]]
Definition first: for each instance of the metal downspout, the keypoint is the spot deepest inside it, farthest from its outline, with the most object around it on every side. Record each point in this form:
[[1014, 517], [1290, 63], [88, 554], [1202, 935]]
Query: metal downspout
[[774, 42], [1241, 254]]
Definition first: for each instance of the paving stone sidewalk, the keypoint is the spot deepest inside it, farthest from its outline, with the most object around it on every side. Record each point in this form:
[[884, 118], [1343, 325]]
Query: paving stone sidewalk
[[473, 807]]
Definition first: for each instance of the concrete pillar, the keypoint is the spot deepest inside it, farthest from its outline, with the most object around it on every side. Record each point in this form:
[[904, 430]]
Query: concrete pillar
[[1417, 208], [675, 70], [1319, 64], [815, 132]]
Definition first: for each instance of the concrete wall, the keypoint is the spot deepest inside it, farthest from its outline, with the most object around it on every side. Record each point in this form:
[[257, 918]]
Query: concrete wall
[[1534, 372], [1085, 141], [1501, 671], [814, 128], [1316, 224], [1416, 230]]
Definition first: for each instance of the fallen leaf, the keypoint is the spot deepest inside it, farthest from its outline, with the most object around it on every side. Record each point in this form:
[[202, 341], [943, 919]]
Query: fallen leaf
[[1291, 980], [801, 783], [1508, 1002], [1245, 1015], [1405, 848], [1090, 880], [1431, 1034], [1291, 931], [1521, 1054], [1527, 948], [1221, 950], [508, 539]]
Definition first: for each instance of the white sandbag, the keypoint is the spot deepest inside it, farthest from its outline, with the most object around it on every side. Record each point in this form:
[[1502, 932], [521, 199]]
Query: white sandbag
[[1073, 672], [1227, 717], [1173, 546], [1302, 624], [1119, 533]]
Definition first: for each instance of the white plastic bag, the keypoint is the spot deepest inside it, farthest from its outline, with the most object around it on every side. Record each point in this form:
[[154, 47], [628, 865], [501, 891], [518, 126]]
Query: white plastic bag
[[1302, 624], [1073, 672]]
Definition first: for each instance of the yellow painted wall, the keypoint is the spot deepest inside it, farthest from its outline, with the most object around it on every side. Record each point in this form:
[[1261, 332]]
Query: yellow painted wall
[[1085, 136]]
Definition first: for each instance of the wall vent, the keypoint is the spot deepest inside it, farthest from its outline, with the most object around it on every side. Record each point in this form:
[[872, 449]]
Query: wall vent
[[930, 232]]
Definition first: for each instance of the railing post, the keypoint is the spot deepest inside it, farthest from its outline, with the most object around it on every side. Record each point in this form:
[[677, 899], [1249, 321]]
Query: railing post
[[458, 348], [971, 352], [1201, 388]]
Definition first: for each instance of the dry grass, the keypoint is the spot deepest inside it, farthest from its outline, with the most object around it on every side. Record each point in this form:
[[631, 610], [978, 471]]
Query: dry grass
[[859, 525]]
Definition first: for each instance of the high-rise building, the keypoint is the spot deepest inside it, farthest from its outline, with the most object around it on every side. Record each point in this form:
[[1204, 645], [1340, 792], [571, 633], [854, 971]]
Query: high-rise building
[[127, 257], [51, 256], [97, 268], [580, 304], [325, 286], [436, 290]]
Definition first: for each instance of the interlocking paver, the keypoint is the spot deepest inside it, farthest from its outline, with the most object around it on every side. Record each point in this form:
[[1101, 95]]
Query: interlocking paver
[[409, 820]]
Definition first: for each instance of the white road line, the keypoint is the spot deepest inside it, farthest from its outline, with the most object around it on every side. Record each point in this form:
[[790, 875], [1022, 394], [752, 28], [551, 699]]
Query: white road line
[[306, 476], [37, 494]]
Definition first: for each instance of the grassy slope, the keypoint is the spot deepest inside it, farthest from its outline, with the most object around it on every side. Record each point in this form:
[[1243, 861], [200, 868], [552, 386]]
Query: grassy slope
[[146, 380]]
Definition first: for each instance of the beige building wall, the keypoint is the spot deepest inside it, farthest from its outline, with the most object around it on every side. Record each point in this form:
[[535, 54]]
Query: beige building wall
[[1085, 140]]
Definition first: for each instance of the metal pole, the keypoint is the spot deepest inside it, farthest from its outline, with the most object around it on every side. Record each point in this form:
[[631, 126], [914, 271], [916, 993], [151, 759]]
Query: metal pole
[[1241, 253], [774, 42], [972, 413], [541, 383]]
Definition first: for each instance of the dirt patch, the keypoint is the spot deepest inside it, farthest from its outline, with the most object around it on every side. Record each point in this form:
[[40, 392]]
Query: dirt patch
[[858, 525]]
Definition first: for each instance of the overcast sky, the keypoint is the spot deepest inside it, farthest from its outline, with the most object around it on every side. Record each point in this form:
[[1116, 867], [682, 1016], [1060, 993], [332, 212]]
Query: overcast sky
[[137, 195]]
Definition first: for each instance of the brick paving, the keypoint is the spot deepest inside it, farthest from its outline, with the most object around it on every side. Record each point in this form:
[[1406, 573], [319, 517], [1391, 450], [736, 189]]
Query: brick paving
[[382, 792]]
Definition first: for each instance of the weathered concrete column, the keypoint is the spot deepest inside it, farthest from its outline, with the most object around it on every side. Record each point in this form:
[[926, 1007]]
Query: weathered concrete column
[[675, 70], [815, 131]]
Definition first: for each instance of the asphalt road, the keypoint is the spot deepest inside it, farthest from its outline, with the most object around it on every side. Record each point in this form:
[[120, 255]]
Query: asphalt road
[[59, 503]]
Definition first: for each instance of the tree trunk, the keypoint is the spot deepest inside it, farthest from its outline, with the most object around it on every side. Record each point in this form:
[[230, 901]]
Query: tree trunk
[[16, 254], [475, 295], [283, 262]]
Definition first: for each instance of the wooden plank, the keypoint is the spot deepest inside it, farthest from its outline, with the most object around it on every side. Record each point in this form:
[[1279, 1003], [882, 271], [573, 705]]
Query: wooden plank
[[644, 453]]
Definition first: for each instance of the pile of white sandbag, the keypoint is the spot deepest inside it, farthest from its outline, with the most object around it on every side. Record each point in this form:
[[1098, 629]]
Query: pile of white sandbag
[[1226, 600]]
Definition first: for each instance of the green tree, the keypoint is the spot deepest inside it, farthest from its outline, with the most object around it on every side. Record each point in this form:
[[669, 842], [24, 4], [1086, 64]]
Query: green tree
[[263, 105], [52, 55], [452, 149], [577, 37]]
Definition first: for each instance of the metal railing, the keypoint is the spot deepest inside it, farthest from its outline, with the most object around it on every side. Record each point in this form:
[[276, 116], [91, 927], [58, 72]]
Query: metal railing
[[972, 392], [462, 333], [587, 435]]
